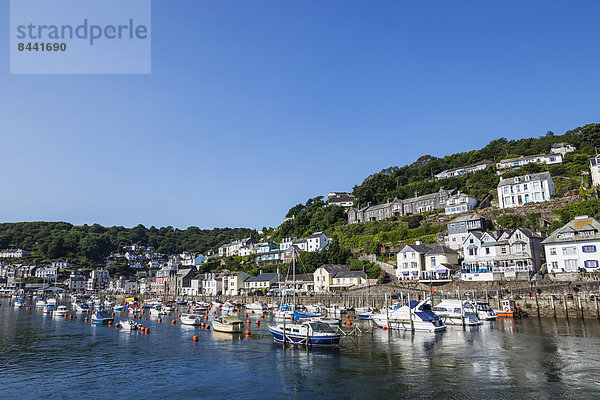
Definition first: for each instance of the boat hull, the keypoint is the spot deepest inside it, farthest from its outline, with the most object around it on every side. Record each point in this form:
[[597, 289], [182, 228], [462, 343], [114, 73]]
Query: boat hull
[[228, 328], [278, 336]]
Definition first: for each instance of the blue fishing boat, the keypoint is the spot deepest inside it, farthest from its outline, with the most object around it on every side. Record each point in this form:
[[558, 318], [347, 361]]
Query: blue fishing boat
[[305, 334], [101, 318], [119, 308]]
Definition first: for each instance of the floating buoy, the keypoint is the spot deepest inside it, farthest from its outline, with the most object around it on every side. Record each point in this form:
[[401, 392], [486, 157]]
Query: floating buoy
[[168, 313], [109, 322], [174, 322], [349, 323], [325, 315], [384, 328], [147, 331], [117, 325], [202, 325], [247, 332], [248, 321], [146, 318], [206, 317], [159, 320], [86, 319], [347, 316], [71, 316], [214, 313], [207, 326], [257, 322], [262, 316], [246, 315], [195, 338], [179, 315]]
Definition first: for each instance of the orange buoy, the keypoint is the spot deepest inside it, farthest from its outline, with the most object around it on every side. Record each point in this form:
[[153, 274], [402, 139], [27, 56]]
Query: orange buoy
[[174, 322], [347, 316], [168, 313], [147, 331], [252, 311], [202, 324], [207, 326], [71, 316], [179, 315], [117, 325], [248, 321], [195, 338], [262, 316], [159, 320], [206, 317], [349, 323], [325, 315], [86, 319], [257, 322], [246, 315], [146, 318], [291, 317], [247, 332], [384, 328]]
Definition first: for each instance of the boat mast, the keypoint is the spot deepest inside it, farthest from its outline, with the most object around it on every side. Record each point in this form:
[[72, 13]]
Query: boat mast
[[294, 275]]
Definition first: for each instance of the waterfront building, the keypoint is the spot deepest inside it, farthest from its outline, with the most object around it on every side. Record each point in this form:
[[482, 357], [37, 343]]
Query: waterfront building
[[460, 203], [99, 280], [481, 165], [574, 246], [517, 162], [335, 277], [264, 281], [411, 261], [233, 283], [233, 248], [212, 284], [441, 263], [48, 272], [502, 255], [77, 281], [520, 190]]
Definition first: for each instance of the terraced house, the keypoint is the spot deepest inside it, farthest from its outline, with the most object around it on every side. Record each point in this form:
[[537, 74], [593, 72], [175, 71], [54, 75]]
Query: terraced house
[[574, 246]]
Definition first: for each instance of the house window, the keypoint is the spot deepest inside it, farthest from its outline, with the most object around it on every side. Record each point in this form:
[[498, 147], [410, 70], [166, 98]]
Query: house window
[[591, 263], [569, 251], [487, 250], [571, 265], [589, 249], [554, 265], [552, 251], [503, 250], [433, 264]]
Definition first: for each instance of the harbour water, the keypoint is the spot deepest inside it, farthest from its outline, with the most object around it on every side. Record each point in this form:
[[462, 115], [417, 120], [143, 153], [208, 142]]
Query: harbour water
[[53, 357]]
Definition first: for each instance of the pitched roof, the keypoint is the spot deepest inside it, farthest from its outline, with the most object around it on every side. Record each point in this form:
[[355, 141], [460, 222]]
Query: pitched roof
[[334, 267], [466, 217], [263, 277], [520, 158], [441, 250], [420, 248], [576, 227], [532, 177], [349, 274]]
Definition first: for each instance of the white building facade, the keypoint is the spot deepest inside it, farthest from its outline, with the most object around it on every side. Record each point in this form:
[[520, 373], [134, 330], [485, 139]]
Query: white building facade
[[521, 190], [574, 246]]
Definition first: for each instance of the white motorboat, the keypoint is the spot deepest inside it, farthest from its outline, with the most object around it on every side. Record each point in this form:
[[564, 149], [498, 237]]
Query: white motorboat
[[256, 306], [316, 309], [365, 313], [51, 301], [156, 311], [333, 322], [19, 303], [485, 312], [415, 315], [40, 302], [228, 324], [82, 308], [129, 325], [190, 319], [61, 311], [457, 312], [228, 308]]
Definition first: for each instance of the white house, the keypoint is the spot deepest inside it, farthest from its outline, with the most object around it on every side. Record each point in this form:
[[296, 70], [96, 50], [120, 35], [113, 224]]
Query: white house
[[233, 283], [595, 168], [317, 241], [460, 203], [509, 163], [212, 284], [18, 253], [574, 246], [411, 261], [324, 275], [262, 281], [77, 281], [286, 243], [520, 190], [562, 148], [342, 199], [99, 280], [47, 272], [463, 170]]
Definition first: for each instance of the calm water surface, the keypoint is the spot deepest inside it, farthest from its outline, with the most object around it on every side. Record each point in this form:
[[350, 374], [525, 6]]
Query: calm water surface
[[46, 357]]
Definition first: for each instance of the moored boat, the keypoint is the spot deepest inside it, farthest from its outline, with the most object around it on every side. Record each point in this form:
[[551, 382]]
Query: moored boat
[[457, 312], [306, 333], [82, 308], [129, 325], [228, 324], [415, 315], [48, 309], [485, 312], [190, 319], [101, 318], [256, 306], [61, 311], [508, 309]]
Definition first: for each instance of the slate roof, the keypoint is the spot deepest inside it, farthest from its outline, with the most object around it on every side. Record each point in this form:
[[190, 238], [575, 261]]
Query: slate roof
[[263, 277], [532, 177], [334, 267], [576, 226], [441, 250]]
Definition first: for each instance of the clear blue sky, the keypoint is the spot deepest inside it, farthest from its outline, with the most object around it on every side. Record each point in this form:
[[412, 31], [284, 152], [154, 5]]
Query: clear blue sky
[[255, 106]]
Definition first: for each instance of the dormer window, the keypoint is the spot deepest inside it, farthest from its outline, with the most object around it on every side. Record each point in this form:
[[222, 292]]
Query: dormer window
[[586, 233], [516, 179], [526, 177]]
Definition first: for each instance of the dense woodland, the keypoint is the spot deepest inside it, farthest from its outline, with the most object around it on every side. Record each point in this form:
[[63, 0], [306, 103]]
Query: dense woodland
[[87, 245]]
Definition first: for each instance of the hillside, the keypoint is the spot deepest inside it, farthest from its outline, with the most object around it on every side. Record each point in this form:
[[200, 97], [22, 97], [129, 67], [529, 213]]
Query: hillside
[[86, 245]]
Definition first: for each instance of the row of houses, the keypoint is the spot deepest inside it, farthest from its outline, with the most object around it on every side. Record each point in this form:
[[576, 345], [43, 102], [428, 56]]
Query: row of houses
[[473, 253], [275, 253]]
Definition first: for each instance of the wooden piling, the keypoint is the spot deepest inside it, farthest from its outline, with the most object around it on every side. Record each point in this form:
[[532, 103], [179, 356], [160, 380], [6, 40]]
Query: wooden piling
[[580, 307], [566, 307], [554, 308], [537, 304]]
